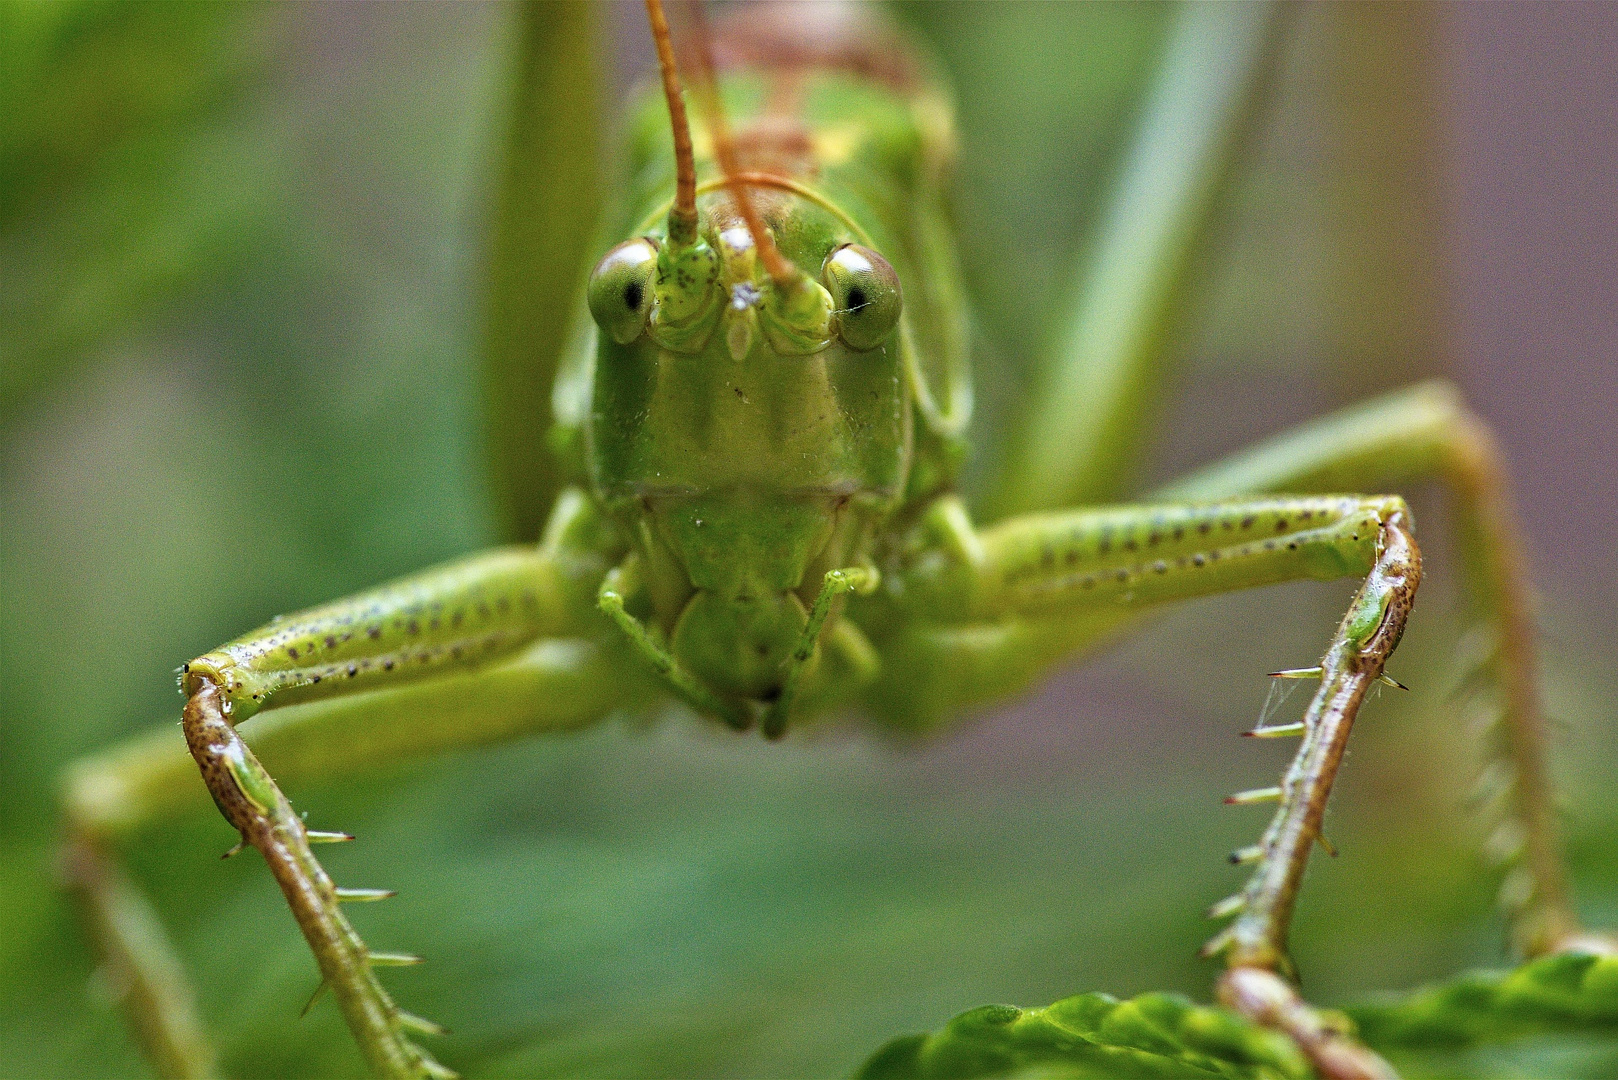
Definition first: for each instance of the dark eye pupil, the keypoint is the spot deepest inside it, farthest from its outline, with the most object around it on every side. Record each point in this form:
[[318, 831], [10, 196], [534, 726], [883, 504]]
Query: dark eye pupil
[[856, 298], [632, 295]]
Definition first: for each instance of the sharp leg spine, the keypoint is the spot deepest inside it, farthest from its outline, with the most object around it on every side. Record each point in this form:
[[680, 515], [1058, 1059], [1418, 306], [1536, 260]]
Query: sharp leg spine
[[365, 895], [393, 959], [1280, 731], [1256, 795]]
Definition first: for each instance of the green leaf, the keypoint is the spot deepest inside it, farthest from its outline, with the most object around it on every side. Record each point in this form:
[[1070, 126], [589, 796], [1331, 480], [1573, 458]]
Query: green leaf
[[1091, 1035], [1554, 993], [1164, 1035]]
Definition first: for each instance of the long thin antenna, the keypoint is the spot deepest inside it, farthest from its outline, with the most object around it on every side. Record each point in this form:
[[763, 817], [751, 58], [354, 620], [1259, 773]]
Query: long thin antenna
[[778, 266], [683, 214]]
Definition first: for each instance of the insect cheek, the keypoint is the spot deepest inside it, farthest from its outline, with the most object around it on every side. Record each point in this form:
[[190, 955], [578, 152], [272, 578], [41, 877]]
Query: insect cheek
[[865, 289], [620, 290]]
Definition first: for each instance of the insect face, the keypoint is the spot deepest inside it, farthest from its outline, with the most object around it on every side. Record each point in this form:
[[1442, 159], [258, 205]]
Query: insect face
[[748, 434], [683, 295], [712, 376]]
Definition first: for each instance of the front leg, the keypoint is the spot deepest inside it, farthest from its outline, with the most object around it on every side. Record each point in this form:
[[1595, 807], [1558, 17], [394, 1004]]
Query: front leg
[[1050, 581], [483, 650], [1426, 432]]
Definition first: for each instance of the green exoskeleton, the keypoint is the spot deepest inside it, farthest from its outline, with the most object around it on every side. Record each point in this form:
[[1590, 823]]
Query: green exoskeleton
[[763, 405]]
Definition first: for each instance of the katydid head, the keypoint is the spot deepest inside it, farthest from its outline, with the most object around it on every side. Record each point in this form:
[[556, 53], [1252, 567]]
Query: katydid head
[[748, 436], [750, 421], [734, 275]]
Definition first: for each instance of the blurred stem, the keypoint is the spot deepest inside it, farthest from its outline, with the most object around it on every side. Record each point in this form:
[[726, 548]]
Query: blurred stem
[[1388, 320], [139, 963], [545, 210], [1103, 371]]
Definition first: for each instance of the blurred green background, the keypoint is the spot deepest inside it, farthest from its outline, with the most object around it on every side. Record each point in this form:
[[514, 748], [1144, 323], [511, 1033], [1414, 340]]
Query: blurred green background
[[240, 315]]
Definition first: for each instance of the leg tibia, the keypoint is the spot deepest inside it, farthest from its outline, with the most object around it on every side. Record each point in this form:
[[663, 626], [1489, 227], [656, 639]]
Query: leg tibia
[[1062, 579], [254, 805], [1353, 663], [1080, 574], [550, 685]]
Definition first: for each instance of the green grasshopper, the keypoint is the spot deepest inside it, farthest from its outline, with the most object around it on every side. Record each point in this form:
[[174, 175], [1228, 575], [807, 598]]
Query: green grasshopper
[[763, 405]]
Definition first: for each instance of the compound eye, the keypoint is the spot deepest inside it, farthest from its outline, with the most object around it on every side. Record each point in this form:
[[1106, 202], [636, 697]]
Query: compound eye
[[620, 292], [865, 290]]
